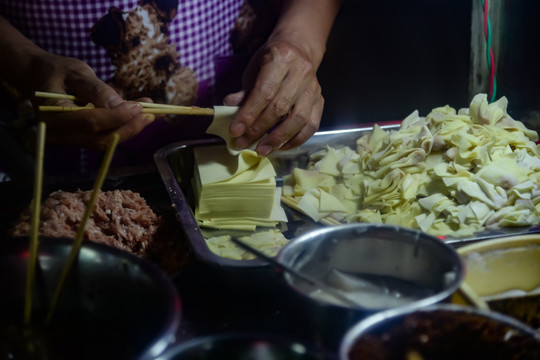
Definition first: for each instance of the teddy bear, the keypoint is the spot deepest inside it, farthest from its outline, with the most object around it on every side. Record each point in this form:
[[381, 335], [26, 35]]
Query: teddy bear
[[146, 63]]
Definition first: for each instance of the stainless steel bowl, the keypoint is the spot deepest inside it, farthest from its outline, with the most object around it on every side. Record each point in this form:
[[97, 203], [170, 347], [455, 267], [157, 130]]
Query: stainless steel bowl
[[383, 266], [440, 331], [114, 305]]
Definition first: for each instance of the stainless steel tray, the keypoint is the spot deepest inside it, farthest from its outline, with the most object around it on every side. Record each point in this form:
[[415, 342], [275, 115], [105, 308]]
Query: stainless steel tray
[[175, 165]]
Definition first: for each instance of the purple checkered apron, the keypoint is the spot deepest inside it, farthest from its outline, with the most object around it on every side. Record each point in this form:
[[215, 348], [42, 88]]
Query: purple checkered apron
[[201, 33], [200, 30]]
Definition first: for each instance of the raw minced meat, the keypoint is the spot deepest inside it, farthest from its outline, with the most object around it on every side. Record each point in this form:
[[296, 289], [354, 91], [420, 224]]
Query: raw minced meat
[[120, 218]]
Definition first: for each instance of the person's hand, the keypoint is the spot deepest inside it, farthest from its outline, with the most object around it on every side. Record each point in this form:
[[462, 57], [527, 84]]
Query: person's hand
[[84, 128], [282, 102]]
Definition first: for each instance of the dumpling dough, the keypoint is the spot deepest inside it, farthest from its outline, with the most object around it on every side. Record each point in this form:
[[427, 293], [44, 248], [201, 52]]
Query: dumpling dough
[[223, 115]]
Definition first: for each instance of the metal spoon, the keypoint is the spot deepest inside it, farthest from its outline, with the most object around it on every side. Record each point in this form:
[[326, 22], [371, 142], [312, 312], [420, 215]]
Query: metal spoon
[[322, 285]]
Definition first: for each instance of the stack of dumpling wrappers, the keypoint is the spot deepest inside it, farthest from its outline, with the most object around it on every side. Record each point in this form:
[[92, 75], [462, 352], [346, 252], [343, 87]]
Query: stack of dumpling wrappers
[[235, 189]]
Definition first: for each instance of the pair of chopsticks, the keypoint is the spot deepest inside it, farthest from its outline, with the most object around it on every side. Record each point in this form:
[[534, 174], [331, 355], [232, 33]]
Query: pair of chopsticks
[[34, 222], [148, 108], [35, 219], [79, 237]]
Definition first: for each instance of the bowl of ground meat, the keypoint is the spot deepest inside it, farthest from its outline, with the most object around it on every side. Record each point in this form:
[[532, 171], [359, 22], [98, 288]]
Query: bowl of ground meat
[[442, 331], [121, 218], [113, 304]]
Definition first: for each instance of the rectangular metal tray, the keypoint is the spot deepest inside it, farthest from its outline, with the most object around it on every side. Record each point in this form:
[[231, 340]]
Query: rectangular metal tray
[[175, 165]]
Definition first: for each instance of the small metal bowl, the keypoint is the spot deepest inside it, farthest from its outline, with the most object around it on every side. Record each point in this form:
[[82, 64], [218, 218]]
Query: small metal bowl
[[396, 267], [114, 305], [440, 331], [244, 346]]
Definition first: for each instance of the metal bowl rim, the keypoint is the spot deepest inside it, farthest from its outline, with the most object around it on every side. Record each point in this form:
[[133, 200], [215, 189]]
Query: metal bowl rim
[[371, 322], [161, 340], [436, 298], [250, 337]]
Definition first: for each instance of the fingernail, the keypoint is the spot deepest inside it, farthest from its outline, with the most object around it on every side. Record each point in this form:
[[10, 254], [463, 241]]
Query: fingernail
[[149, 118], [114, 101], [240, 143], [238, 129], [227, 101], [135, 108], [264, 150], [284, 147], [233, 99]]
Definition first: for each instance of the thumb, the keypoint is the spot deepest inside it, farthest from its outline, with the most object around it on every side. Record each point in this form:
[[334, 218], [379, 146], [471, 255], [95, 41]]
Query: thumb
[[103, 95], [93, 90]]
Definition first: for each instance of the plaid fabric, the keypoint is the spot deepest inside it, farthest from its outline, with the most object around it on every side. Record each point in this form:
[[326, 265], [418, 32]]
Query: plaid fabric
[[200, 30]]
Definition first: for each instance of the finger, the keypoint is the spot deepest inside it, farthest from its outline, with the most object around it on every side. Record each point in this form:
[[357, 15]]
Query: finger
[[267, 84], [90, 88], [289, 93], [95, 120], [81, 139], [307, 131], [234, 99], [99, 140], [126, 131], [302, 121], [135, 126], [84, 140], [144, 99]]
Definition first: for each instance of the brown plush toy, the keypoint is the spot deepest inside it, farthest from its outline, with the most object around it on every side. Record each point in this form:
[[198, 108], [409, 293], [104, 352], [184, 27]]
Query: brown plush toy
[[146, 63]]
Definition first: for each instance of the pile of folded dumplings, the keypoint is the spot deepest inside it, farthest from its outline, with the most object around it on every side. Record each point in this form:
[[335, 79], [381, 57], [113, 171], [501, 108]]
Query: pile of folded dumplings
[[449, 173]]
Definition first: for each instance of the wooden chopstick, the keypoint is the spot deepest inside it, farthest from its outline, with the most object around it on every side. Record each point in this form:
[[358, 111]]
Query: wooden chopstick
[[164, 106], [148, 108], [36, 215], [102, 173], [49, 95], [190, 111], [53, 108]]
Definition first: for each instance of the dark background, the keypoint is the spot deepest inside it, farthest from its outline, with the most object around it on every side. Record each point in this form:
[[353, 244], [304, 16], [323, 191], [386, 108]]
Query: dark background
[[387, 58], [519, 76]]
